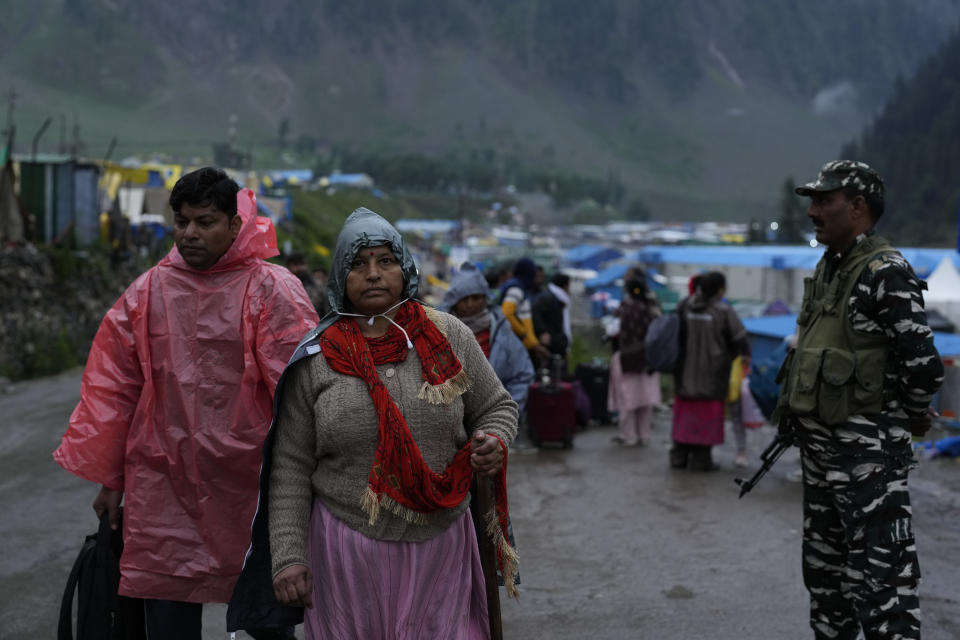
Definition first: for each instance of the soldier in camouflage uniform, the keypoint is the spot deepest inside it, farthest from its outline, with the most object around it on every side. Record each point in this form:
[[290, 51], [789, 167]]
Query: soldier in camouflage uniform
[[859, 382]]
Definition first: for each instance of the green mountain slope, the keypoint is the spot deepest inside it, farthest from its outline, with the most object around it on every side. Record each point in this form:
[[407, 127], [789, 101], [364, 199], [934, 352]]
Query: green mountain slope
[[700, 107], [914, 144]]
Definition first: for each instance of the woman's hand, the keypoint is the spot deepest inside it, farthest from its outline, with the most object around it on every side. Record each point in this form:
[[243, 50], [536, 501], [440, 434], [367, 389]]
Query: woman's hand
[[294, 586], [542, 355], [486, 454]]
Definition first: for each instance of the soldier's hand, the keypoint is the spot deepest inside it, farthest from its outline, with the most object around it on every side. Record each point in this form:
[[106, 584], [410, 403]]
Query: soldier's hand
[[293, 586], [785, 430], [919, 425]]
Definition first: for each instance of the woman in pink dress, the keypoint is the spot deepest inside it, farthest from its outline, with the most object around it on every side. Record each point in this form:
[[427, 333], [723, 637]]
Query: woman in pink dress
[[633, 391]]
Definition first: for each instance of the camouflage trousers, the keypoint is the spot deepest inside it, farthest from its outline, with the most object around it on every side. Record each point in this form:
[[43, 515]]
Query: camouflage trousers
[[859, 555]]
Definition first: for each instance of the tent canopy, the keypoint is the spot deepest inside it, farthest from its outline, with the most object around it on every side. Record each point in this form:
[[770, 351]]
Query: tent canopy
[[944, 283]]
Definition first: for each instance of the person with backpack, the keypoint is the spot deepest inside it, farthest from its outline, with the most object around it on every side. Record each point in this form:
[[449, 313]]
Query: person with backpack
[[551, 317], [634, 389], [515, 300], [711, 337]]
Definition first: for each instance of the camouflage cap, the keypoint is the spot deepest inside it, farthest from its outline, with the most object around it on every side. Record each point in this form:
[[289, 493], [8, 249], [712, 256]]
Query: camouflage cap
[[839, 174]]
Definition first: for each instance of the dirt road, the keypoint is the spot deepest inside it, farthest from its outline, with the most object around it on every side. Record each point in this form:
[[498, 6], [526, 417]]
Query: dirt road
[[613, 544]]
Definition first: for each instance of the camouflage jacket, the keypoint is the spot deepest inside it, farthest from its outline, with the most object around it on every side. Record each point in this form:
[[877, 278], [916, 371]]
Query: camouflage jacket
[[887, 300]]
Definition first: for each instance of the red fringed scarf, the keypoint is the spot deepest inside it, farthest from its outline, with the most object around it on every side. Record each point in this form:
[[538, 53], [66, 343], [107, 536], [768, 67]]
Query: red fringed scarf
[[399, 479]]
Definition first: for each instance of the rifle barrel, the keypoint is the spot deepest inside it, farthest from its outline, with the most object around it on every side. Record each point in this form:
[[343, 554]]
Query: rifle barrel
[[769, 458]]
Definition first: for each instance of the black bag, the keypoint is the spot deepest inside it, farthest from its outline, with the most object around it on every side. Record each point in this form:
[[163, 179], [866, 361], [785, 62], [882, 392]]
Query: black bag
[[633, 359], [102, 614]]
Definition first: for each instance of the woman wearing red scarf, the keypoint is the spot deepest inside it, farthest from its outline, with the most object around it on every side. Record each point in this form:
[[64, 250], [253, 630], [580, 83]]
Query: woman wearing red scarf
[[387, 410]]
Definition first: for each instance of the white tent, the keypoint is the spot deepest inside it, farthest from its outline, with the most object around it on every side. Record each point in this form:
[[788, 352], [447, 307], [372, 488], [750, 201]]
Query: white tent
[[943, 290], [131, 203]]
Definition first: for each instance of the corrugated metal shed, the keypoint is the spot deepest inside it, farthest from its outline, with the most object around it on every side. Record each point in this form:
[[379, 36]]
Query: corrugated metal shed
[[60, 192]]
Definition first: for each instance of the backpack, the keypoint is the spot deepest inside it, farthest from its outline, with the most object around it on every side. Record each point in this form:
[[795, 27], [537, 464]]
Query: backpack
[[102, 614], [663, 342]]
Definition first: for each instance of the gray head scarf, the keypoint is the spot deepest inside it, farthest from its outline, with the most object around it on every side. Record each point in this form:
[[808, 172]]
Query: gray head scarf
[[467, 282], [362, 229]]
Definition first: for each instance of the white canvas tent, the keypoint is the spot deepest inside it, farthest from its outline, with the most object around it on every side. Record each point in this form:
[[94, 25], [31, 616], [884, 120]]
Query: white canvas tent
[[943, 291], [131, 202]]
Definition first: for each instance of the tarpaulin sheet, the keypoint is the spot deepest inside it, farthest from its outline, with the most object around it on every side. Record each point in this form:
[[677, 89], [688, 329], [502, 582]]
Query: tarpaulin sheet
[[175, 402]]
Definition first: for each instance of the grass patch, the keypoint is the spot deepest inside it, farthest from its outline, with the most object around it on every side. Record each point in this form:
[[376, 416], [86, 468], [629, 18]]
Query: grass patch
[[318, 217], [50, 354], [588, 346]]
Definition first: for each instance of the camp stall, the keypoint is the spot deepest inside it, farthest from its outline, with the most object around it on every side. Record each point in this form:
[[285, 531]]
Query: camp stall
[[60, 192]]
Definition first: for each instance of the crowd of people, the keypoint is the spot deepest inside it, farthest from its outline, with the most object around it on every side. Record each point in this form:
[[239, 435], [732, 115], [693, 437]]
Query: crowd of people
[[349, 422]]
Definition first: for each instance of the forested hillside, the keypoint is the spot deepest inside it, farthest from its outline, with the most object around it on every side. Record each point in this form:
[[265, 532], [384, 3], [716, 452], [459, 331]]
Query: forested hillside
[[915, 144], [700, 108]]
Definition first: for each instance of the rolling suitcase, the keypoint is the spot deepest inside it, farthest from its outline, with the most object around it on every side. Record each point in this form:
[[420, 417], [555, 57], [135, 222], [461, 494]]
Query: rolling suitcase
[[551, 413]]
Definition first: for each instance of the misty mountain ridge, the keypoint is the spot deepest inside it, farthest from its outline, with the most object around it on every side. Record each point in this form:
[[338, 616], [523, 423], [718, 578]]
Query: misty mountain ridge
[[914, 141], [700, 108]]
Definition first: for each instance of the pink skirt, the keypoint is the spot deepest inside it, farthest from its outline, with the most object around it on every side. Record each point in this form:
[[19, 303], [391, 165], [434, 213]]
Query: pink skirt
[[383, 590], [629, 391], [697, 421]]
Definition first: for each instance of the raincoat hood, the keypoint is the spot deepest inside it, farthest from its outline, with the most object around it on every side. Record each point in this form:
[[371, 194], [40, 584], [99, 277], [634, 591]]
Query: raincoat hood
[[468, 282], [525, 271], [364, 228], [257, 240]]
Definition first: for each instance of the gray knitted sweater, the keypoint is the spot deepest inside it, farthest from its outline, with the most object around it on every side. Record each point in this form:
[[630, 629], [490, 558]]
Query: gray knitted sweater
[[326, 434]]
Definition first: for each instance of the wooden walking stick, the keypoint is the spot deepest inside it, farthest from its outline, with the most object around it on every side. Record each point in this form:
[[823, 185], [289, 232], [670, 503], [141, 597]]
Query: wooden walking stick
[[483, 488]]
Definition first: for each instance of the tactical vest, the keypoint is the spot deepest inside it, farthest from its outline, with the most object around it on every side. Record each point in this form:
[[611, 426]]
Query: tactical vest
[[834, 372]]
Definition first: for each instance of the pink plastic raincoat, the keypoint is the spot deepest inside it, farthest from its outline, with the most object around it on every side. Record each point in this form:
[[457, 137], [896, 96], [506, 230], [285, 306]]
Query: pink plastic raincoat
[[175, 403]]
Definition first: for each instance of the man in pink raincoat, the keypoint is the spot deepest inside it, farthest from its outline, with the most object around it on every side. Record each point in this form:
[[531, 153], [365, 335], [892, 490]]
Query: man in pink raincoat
[[177, 398]]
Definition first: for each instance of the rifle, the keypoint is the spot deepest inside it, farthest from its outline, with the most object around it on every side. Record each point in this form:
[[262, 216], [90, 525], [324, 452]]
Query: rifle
[[769, 458]]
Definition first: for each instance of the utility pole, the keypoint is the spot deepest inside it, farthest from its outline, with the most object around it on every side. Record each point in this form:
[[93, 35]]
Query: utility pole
[[110, 148], [77, 147], [11, 104], [37, 136]]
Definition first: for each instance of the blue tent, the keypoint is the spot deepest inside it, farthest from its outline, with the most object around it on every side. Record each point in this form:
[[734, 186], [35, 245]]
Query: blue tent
[[767, 332], [607, 277], [610, 281], [772, 256], [276, 215], [590, 256]]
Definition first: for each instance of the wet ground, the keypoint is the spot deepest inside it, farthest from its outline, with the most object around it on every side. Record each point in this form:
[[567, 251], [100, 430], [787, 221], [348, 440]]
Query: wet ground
[[613, 544]]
